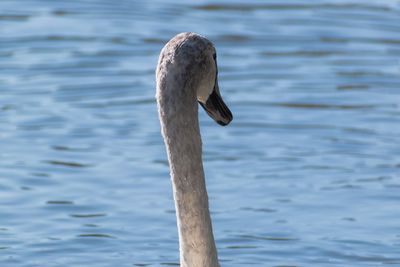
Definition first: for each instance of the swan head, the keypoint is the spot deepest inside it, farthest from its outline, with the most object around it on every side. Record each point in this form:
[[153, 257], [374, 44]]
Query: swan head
[[210, 98], [208, 94], [193, 61]]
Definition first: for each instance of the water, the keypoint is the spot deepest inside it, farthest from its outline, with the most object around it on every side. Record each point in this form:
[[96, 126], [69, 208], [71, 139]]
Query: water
[[306, 175]]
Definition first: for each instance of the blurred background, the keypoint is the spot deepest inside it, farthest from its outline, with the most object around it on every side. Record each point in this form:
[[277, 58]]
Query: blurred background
[[306, 175]]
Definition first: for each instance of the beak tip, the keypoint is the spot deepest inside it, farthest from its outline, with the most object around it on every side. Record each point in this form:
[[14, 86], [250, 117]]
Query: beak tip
[[224, 122]]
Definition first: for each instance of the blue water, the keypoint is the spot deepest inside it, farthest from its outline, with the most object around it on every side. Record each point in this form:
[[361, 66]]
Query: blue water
[[307, 174]]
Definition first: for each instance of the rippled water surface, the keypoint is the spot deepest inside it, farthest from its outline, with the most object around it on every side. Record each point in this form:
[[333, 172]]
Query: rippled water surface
[[308, 173]]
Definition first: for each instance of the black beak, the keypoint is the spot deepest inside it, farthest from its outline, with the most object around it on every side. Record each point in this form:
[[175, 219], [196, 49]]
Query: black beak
[[216, 108]]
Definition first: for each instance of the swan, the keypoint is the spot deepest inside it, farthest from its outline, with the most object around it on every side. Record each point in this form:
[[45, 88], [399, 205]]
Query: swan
[[186, 74]]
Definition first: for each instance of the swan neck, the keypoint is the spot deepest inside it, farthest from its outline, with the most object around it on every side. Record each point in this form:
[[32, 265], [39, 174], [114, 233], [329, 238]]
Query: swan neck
[[180, 129]]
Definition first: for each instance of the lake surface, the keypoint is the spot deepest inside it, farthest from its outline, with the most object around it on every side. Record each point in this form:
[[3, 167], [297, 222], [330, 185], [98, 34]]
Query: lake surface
[[307, 174]]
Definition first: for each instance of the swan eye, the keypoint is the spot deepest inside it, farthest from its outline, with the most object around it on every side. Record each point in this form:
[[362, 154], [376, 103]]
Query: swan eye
[[216, 67]]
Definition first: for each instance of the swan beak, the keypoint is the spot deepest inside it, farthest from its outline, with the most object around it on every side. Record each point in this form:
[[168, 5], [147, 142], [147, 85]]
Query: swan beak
[[216, 108]]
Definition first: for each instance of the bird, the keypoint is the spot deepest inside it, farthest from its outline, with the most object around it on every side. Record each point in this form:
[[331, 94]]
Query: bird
[[187, 74]]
